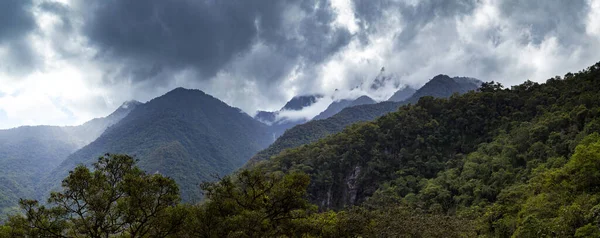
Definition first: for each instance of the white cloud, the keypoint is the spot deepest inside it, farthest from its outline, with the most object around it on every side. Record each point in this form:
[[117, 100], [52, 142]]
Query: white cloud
[[345, 15], [593, 18], [306, 113], [71, 85]]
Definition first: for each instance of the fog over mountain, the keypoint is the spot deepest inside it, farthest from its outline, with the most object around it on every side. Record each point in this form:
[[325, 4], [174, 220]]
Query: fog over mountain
[[64, 62]]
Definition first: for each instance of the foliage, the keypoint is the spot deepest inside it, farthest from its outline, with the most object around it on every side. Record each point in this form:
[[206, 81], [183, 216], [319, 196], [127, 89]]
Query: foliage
[[518, 162], [513, 162], [28, 153], [440, 86], [116, 198], [254, 204], [184, 134]]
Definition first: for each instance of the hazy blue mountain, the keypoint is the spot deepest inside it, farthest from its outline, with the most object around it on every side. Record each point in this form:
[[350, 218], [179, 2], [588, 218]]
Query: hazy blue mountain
[[184, 134], [440, 86], [402, 94], [338, 106], [266, 117], [295, 104], [28, 153], [299, 102], [278, 125]]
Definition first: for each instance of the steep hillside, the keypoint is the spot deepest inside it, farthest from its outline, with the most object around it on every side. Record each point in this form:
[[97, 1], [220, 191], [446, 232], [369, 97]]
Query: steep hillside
[[518, 162], [184, 134], [28, 153], [338, 106], [440, 86]]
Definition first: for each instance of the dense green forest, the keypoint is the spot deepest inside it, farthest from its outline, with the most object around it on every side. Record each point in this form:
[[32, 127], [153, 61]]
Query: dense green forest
[[118, 199], [522, 161], [500, 162]]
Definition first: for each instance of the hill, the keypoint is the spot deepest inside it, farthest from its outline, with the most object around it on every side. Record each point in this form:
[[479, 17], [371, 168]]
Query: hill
[[440, 86], [185, 134], [518, 162], [497, 162], [28, 153]]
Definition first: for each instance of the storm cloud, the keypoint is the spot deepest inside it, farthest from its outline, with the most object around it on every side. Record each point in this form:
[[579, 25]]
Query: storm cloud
[[257, 54], [17, 21], [155, 36]]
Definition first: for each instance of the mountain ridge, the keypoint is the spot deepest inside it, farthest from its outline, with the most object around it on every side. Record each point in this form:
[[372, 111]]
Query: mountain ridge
[[440, 86], [185, 133], [28, 153]]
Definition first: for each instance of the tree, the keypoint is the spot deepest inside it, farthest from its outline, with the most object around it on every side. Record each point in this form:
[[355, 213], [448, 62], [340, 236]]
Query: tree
[[252, 203], [116, 198]]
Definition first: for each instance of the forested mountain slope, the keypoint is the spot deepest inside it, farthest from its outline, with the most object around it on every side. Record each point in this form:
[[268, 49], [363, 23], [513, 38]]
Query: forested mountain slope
[[184, 134], [439, 86], [518, 162], [521, 162], [28, 153]]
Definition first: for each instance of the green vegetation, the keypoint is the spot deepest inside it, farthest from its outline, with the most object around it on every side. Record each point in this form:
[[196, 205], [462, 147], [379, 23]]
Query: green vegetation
[[117, 199], [518, 162], [522, 161], [29, 153], [185, 134], [440, 86]]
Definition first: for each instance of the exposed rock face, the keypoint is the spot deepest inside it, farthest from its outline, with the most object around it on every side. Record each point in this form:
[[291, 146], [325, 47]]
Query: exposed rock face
[[352, 186]]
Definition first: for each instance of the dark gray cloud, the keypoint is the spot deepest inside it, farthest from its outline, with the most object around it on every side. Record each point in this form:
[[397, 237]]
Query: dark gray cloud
[[154, 37], [257, 54], [63, 12], [16, 19], [17, 22], [548, 17]]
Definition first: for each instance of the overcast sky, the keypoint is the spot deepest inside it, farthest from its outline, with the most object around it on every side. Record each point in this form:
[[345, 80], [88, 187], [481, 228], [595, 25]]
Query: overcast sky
[[63, 62]]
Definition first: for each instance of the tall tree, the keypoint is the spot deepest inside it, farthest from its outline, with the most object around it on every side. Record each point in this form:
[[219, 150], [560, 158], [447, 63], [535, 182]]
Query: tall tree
[[116, 198]]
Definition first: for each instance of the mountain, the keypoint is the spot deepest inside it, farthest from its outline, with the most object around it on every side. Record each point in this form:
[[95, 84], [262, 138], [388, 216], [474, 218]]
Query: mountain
[[522, 161], [338, 106], [185, 134], [266, 117], [299, 102], [518, 162], [402, 94], [441, 86], [28, 153], [278, 125]]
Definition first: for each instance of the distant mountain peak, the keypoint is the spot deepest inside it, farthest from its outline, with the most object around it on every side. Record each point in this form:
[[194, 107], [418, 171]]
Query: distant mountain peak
[[130, 103], [337, 106], [185, 91], [402, 94], [440, 77], [301, 101]]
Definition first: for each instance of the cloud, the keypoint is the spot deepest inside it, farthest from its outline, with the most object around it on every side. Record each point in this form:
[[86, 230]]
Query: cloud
[[17, 23], [306, 113], [258, 54], [156, 38]]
